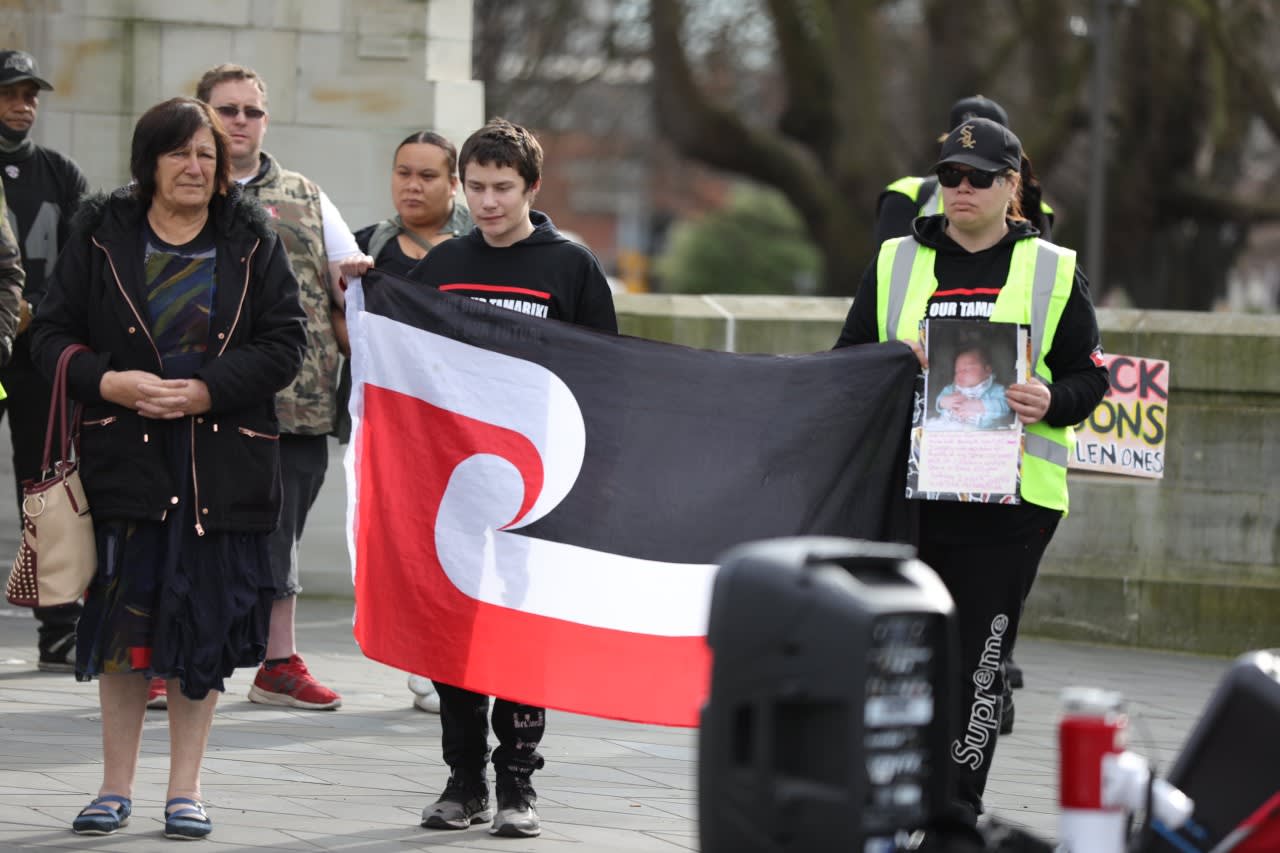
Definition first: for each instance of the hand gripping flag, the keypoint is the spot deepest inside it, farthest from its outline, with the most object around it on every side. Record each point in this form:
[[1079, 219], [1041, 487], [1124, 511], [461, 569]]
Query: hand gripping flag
[[534, 508]]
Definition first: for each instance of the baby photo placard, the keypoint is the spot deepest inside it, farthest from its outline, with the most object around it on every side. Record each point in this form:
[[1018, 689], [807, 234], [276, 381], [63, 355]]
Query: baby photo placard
[[966, 442]]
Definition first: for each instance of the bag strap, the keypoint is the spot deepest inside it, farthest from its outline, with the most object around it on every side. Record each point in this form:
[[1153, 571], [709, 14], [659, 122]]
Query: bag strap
[[413, 235], [388, 230], [58, 406], [383, 233]]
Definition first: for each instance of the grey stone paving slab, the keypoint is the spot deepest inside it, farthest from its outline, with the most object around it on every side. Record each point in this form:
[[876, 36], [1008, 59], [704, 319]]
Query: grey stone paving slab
[[357, 779], [678, 753]]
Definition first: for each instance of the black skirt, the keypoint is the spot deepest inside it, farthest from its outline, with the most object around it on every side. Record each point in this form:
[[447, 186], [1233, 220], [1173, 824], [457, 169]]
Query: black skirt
[[167, 602]]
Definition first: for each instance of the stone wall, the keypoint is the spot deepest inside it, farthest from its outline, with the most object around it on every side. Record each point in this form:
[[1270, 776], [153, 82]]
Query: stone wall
[[1191, 561], [1188, 562], [347, 79]]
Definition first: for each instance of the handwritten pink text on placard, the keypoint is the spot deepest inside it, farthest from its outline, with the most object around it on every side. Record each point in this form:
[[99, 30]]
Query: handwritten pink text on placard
[[983, 461]]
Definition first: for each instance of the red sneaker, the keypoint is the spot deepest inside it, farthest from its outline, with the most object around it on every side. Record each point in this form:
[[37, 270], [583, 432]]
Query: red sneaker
[[290, 683], [158, 695]]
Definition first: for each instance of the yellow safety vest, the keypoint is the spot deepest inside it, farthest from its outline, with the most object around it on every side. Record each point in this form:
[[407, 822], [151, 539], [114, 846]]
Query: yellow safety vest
[[1041, 277]]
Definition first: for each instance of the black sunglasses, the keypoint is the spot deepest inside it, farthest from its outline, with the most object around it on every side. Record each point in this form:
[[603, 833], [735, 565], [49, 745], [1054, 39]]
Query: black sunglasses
[[950, 177], [228, 111]]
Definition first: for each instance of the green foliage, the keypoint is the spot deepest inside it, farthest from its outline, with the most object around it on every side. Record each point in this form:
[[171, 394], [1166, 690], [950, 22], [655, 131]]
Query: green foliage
[[756, 244]]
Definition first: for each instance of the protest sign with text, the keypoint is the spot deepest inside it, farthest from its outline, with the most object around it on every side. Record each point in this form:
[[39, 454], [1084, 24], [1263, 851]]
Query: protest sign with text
[[1126, 433]]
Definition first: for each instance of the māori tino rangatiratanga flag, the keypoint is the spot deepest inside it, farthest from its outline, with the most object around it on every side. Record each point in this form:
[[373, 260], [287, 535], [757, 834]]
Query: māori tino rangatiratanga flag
[[535, 508]]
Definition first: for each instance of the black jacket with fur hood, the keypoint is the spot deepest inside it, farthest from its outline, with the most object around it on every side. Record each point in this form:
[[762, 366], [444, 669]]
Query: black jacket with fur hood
[[96, 296]]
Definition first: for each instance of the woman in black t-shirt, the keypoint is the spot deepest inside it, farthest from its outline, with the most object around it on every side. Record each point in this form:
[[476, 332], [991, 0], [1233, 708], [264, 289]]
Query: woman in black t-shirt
[[424, 185]]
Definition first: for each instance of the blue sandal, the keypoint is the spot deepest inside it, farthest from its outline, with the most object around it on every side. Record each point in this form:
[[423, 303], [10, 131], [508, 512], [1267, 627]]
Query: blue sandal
[[188, 823], [106, 819]]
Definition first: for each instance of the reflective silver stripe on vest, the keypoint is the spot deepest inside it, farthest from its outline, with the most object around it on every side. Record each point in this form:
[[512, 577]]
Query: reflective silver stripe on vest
[[933, 204], [1050, 451], [899, 284], [1042, 281]]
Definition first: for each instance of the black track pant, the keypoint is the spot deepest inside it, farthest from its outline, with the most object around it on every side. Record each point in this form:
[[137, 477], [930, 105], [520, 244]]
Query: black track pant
[[988, 583], [464, 720]]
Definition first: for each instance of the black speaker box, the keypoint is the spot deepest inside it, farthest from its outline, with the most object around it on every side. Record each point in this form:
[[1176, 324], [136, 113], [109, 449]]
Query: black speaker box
[[1230, 764], [832, 693]]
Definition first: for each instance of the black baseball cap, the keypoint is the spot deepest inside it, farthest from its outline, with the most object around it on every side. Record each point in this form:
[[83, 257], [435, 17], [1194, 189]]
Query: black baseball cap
[[982, 144], [18, 65], [977, 106]]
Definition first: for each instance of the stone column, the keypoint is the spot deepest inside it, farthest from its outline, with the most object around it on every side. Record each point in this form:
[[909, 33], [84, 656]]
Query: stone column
[[347, 79]]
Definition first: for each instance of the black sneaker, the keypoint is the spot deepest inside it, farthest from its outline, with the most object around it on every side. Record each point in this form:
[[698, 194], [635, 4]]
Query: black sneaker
[[516, 816], [58, 655], [1006, 713], [1013, 674], [465, 801]]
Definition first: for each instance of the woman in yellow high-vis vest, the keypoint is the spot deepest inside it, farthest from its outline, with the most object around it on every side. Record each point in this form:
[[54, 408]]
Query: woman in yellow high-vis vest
[[981, 260]]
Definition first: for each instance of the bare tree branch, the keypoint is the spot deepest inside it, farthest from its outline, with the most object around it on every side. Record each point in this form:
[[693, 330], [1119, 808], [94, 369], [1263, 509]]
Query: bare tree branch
[[859, 94], [1188, 80], [714, 134], [1210, 204], [1245, 67], [537, 38], [806, 65], [708, 131]]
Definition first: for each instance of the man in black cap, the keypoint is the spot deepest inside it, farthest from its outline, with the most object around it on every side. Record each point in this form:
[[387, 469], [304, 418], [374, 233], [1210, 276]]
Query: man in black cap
[[42, 190], [908, 198]]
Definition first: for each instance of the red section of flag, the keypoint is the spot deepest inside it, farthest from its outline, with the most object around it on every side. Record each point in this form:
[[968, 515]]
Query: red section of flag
[[1260, 832], [410, 615]]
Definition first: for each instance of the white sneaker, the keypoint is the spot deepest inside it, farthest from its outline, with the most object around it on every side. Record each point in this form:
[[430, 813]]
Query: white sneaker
[[425, 697], [516, 817]]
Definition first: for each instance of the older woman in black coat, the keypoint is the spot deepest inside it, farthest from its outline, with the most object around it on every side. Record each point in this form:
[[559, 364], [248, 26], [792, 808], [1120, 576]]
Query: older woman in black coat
[[186, 301]]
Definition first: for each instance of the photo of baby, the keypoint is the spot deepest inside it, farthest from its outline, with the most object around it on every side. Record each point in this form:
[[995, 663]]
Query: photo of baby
[[974, 364]]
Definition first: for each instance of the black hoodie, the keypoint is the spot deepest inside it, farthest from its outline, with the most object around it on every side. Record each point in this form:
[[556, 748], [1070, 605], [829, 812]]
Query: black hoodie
[[544, 275], [968, 284]]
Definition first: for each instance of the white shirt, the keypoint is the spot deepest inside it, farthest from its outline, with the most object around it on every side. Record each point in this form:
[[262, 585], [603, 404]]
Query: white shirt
[[339, 242]]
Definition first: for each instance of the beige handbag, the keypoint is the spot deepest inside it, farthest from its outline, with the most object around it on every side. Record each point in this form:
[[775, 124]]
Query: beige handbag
[[58, 555]]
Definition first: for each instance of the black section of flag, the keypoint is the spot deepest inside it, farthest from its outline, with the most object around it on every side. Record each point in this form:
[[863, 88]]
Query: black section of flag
[[689, 452]]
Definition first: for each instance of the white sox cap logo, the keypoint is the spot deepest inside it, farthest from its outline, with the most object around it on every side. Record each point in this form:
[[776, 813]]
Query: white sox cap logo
[[18, 62]]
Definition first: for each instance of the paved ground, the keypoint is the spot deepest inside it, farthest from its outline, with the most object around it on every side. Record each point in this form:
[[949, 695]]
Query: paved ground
[[356, 779]]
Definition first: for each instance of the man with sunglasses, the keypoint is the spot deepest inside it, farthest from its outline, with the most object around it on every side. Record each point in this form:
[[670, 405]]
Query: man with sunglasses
[[983, 262], [316, 239], [42, 189], [907, 198]]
